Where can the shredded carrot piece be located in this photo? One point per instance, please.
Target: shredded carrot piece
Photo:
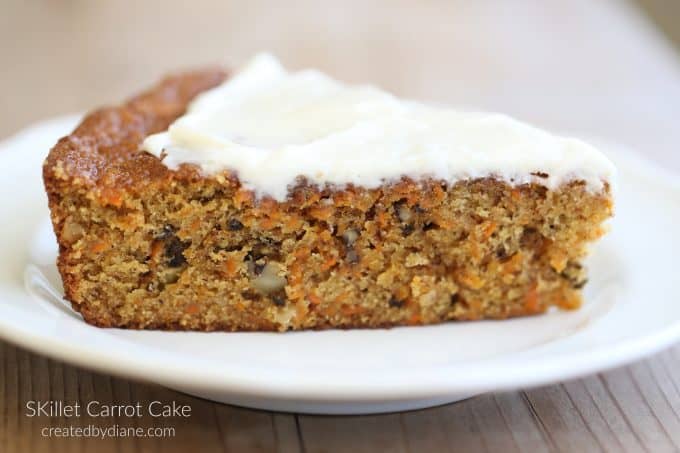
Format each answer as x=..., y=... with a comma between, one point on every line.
x=513, y=264
x=242, y=197
x=112, y=197
x=330, y=262
x=531, y=302
x=156, y=249
x=267, y=205
x=558, y=260
x=267, y=223
x=301, y=252
x=474, y=248
x=471, y=280
x=314, y=299
x=351, y=309
x=301, y=310
x=402, y=292
x=341, y=298
x=382, y=218
x=195, y=225
x=571, y=302
x=293, y=223
x=345, y=198
x=192, y=309
x=99, y=246
x=488, y=229
x=230, y=267
x=415, y=319
x=295, y=274
x=321, y=212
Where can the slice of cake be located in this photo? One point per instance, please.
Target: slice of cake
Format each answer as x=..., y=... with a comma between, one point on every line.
x=279, y=201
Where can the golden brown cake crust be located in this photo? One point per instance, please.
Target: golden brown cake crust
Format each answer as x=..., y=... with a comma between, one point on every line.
x=103, y=150
x=142, y=246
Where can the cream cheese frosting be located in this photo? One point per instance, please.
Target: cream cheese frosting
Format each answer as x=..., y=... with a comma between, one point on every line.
x=270, y=126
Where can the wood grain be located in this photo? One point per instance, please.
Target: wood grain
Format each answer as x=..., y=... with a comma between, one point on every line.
x=630, y=409
x=595, y=67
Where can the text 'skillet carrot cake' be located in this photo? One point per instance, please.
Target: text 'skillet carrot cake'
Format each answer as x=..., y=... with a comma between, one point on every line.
x=273, y=200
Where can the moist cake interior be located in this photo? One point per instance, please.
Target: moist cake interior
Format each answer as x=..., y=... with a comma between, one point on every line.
x=148, y=247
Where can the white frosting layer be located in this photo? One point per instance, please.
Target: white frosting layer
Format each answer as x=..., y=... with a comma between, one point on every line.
x=270, y=126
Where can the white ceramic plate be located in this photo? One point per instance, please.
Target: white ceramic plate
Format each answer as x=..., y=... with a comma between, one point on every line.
x=632, y=309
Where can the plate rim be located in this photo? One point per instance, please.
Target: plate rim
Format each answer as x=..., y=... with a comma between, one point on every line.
x=243, y=381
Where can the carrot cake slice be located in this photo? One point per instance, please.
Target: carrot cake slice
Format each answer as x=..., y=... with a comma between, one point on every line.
x=276, y=200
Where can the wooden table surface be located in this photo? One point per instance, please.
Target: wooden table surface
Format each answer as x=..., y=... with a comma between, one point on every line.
x=595, y=67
